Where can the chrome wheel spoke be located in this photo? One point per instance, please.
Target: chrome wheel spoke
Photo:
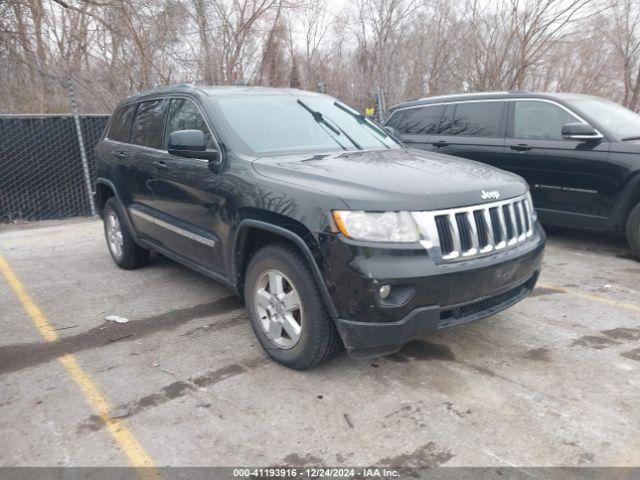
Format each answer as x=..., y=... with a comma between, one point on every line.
x=276, y=283
x=291, y=301
x=263, y=298
x=291, y=327
x=275, y=329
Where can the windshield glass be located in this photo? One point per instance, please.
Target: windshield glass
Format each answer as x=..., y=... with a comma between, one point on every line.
x=620, y=121
x=279, y=124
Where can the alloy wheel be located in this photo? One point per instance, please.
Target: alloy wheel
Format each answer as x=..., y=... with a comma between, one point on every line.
x=114, y=235
x=279, y=308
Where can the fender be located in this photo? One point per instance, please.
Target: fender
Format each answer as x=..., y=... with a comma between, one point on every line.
x=298, y=241
x=627, y=199
x=125, y=211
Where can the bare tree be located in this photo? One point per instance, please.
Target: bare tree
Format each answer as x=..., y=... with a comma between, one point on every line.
x=409, y=48
x=624, y=34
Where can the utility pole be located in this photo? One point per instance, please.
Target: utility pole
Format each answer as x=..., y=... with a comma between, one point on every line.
x=380, y=106
x=83, y=152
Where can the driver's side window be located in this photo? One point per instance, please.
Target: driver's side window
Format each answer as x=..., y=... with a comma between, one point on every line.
x=184, y=115
x=539, y=120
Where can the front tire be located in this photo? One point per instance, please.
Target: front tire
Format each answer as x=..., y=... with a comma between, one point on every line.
x=286, y=309
x=123, y=249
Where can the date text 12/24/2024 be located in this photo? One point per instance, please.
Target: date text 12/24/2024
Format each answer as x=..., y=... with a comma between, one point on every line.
x=313, y=472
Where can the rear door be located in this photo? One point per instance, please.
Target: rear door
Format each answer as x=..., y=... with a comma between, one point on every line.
x=473, y=130
x=416, y=124
x=565, y=176
x=146, y=142
x=185, y=193
x=118, y=152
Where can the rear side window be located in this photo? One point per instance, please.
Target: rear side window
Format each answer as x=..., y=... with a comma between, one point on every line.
x=541, y=120
x=447, y=120
x=148, y=124
x=421, y=120
x=480, y=119
x=184, y=115
x=121, y=124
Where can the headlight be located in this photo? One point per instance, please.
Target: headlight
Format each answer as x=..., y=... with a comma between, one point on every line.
x=377, y=227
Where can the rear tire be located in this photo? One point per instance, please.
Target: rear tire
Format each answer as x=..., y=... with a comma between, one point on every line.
x=633, y=230
x=286, y=309
x=123, y=249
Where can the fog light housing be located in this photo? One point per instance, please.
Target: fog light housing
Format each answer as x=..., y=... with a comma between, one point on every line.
x=384, y=291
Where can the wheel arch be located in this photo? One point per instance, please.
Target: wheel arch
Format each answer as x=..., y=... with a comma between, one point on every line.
x=627, y=200
x=104, y=190
x=251, y=234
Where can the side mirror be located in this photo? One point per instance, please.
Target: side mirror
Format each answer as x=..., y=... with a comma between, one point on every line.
x=394, y=134
x=391, y=131
x=182, y=141
x=580, y=131
x=193, y=144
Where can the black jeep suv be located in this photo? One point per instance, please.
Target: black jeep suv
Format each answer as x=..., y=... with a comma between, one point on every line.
x=580, y=154
x=333, y=232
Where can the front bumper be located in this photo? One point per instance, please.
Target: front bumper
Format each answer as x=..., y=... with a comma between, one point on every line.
x=433, y=296
x=367, y=340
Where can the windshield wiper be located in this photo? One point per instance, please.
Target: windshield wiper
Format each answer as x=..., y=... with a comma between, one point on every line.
x=319, y=117
x=635, y=137
x=362, y=120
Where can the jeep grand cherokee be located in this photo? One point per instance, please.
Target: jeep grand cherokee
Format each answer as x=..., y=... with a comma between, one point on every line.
x=335, y=234
x=580, y=154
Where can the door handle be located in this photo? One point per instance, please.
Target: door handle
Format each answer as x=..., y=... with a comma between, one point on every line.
x=440, y=143
x=160, y=165
x=521, y=147
x=121, y=155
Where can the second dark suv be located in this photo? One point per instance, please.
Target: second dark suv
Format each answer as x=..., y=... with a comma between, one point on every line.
x=580, y=154
x=333, y=232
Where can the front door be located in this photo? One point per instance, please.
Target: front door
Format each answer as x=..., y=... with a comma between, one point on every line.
x=185, y=201
x=568, y=178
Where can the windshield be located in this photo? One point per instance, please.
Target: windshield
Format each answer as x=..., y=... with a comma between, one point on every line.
x=278, y=124
x=618, y=120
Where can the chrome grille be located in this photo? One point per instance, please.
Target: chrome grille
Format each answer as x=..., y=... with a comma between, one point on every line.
x=460, y=233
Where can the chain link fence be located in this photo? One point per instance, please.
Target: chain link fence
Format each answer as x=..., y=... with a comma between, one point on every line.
x=42, y=175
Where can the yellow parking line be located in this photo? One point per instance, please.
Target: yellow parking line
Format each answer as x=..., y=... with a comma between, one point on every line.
x=595, y=298
x=137, y=456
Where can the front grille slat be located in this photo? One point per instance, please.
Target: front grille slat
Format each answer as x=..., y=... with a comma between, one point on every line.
x=444, y=233
x=455, y=235
x=523, y=221
x=463, y=228
x=528, y=216
x=473, y=233
x=513, y=236
x=503, y=227
x=461, y=233
x=483, y=228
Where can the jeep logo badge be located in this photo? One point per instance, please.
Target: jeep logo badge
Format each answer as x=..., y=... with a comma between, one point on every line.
x=493, y=194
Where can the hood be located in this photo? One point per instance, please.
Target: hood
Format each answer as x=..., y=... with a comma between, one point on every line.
x=394, y=179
